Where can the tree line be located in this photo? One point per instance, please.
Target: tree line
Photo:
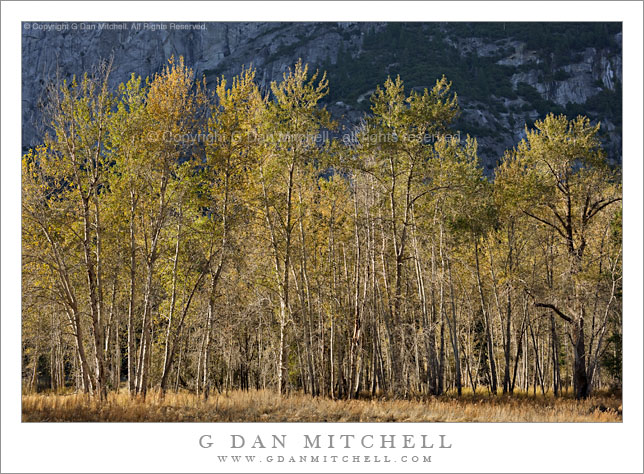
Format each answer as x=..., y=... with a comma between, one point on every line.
x=177, y=236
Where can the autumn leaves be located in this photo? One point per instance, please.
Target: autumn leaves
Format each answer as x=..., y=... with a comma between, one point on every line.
x=170, y=245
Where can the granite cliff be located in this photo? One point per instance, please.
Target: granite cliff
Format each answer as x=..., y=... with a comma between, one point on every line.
x=506, y=75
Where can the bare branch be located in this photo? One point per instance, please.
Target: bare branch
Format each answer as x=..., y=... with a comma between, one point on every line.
x=555, y=309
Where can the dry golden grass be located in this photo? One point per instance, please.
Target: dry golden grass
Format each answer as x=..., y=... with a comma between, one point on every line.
x=258, y=406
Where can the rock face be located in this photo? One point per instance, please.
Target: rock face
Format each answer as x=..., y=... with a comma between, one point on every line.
x=596, y=70
x=210, y=49
x=52, y=50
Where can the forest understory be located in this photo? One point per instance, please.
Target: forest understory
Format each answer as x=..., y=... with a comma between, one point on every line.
x=266, y=405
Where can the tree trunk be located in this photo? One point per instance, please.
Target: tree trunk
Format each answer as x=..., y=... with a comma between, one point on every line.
x=580, y=377
x=488, y=329
x=90, y=268
x=131, y=350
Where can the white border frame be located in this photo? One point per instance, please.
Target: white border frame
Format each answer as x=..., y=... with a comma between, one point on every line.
x=477, y=447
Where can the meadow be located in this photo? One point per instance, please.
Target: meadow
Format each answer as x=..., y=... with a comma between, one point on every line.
x=268, y=406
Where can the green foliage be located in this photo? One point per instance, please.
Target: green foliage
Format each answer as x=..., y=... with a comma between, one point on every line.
x=419, y=53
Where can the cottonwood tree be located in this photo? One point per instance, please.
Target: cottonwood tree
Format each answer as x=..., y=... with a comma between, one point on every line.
x=394, y=149
x=127, y=146
x=74, y=156
x=232, y=131
x=51, y=253
x=174, y=104
x=293, y=123
x=558, y=176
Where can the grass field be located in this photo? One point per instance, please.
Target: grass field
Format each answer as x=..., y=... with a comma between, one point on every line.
x=258, y=406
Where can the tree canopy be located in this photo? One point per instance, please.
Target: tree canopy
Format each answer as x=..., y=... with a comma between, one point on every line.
x=181, y=236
